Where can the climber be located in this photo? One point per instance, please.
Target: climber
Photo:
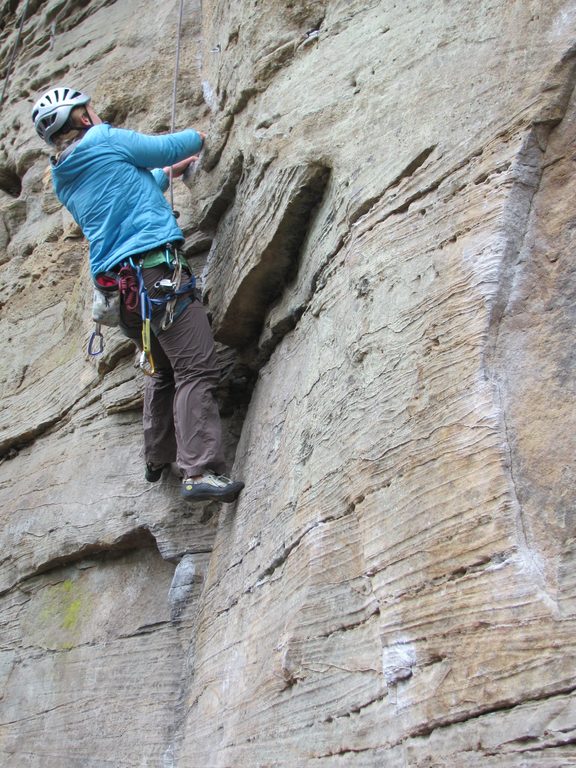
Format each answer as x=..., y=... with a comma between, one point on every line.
x=102, y=175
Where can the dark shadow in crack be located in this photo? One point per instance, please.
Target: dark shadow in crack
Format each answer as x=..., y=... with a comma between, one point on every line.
x=278, y=264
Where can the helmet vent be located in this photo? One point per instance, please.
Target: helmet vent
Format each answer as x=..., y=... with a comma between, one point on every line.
x=52, y=110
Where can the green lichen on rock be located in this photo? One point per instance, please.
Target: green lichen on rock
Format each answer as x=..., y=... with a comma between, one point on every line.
x=65, y=606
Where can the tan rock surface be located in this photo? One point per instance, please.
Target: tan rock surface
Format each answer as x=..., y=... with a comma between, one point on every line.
x=386, y=195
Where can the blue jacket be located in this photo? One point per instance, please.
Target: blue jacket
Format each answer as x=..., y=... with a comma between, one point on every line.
x=108, y=187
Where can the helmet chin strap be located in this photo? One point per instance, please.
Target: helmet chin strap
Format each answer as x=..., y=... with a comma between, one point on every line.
x=83, y=128
x=87, y=114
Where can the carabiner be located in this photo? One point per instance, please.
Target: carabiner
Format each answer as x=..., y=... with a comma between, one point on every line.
x=146, y=359
x=96, y=334
x=147, y=363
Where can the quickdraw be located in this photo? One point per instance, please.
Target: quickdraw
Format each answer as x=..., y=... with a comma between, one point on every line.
x=146, y=359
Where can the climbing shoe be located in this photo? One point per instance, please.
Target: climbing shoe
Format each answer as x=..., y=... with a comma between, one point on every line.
x=153, y=474
x=210, y=487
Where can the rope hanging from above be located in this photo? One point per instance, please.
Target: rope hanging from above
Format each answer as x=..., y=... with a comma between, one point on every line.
x=175, y=91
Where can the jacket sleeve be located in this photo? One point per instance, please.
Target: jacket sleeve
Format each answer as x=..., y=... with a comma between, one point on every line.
x=155, y=151
x=161, y=178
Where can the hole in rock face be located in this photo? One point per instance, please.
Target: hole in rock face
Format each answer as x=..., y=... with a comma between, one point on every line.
x=10, y=182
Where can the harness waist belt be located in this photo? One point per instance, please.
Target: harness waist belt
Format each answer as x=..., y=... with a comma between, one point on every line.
x=160, y=256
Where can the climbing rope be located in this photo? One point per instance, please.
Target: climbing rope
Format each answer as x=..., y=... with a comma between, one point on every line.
x=175, y=91
x=14, y=52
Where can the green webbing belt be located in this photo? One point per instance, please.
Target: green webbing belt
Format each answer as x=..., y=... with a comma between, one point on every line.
x=158, y=256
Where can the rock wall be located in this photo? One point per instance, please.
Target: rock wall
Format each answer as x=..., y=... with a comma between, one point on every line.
x=383, y=221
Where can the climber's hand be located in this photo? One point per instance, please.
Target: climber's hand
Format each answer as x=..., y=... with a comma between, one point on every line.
x=179, y=168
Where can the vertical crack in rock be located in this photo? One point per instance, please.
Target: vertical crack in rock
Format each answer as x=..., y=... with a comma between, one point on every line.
x=529, y=166
x=269, y=255
x=218, y=140
x=183, y=582
x=222, y=198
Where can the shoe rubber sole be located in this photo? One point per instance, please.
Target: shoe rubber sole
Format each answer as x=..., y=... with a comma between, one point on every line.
x=153, y=475
x=227, y=495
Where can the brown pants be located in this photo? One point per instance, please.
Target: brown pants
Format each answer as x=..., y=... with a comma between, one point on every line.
x=181, y=418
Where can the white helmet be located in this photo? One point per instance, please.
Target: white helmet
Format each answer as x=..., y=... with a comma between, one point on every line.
x=53, y=109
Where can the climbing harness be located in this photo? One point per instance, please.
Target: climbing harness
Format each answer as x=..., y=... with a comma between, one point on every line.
x=129, y=284
x=14, y=52
x=171, y=289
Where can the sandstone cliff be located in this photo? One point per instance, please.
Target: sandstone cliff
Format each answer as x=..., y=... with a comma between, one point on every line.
x=383, y=220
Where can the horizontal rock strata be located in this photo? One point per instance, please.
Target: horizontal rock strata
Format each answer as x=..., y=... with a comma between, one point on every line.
x=382, y=226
